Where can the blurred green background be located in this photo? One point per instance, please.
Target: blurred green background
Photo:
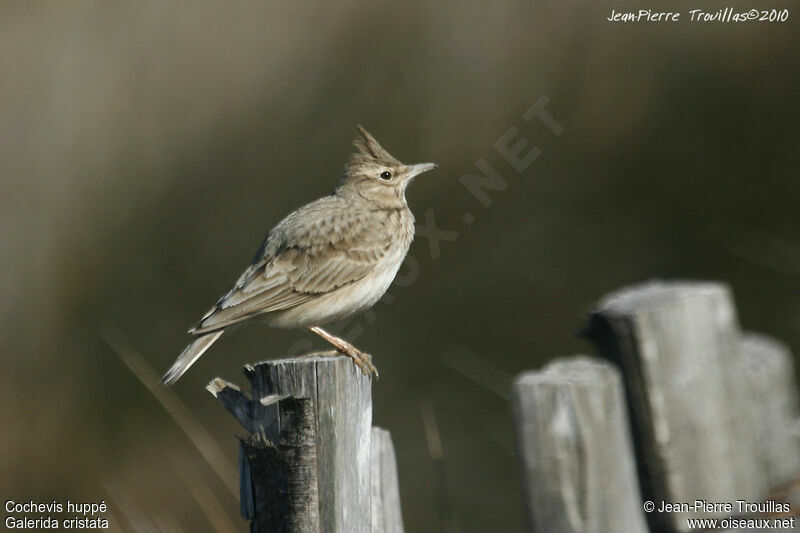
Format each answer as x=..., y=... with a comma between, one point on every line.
x=147, y=148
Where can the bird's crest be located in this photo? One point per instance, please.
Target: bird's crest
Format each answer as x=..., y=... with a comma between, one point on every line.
x=370, y=151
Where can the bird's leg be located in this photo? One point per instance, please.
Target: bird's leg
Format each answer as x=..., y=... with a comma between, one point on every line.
x=362, y=359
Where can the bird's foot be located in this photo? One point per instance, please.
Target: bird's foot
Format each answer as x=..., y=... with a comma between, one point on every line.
x=362, y=360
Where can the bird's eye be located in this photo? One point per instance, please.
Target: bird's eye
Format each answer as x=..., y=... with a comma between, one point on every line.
x=386, y=175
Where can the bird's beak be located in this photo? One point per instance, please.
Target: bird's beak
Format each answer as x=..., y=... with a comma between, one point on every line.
x=419, y=168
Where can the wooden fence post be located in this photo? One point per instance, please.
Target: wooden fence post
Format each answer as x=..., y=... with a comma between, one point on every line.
x=305, y=464
x=677, y=345
x=386, y=513
x=574, y=445
x=769, y=369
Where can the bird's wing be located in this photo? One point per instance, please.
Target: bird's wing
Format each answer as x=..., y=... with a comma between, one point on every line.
x=302, y=266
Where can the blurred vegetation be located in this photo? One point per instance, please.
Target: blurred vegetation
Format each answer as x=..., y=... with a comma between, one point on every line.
x=147, y=148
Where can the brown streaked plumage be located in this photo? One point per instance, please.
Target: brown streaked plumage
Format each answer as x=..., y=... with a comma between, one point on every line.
x=325, y=261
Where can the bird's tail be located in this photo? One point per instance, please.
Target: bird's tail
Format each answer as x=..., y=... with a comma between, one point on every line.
x=189, y=355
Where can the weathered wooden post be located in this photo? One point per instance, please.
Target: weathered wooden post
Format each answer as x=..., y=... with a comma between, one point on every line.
x=769, y=369
x=678, y=346
x=306, y=462
x=386, y=513
x=574, y=445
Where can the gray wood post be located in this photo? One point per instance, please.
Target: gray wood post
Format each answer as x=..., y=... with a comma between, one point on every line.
x=574, y=445
x=678, y=347
x=386, y=514
x=769, y=369
x=305, y=463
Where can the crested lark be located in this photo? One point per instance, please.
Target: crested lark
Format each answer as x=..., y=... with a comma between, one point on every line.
x=324, y=262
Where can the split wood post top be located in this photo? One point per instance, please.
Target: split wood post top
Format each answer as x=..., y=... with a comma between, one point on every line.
x=309, y=424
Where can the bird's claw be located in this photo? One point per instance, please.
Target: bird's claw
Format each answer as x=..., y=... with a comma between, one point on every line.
x=363, y=360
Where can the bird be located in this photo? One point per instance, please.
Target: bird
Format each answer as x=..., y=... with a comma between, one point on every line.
x=324, y=262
